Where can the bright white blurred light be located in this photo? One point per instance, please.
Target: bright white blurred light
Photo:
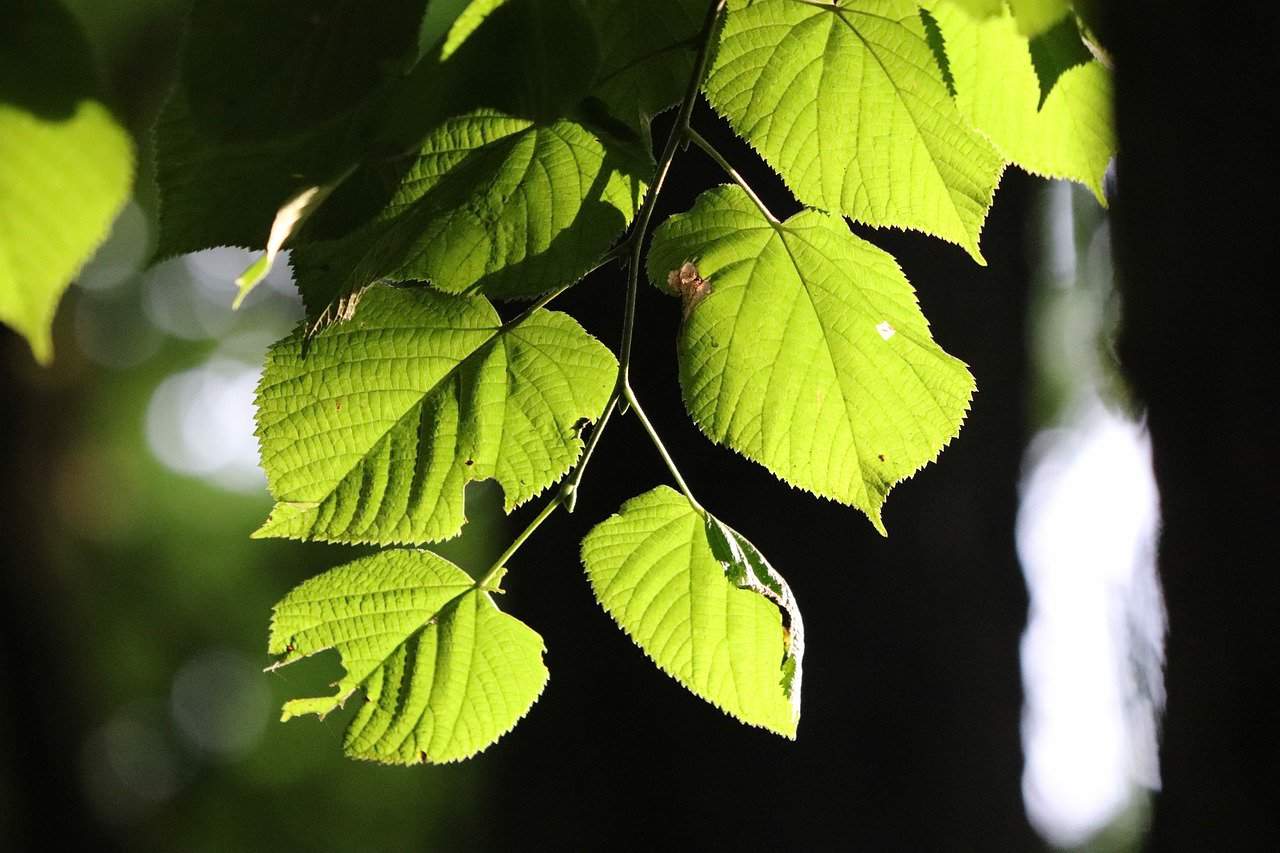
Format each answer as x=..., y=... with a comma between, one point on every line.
x=200, y=423
x=1093, y=649
x=190, y=297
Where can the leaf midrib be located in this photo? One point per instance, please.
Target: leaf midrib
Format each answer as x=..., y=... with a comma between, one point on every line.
x=839, y=12
x=446, y=377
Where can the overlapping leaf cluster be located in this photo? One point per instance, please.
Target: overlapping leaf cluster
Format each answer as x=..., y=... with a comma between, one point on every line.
x=419, y=167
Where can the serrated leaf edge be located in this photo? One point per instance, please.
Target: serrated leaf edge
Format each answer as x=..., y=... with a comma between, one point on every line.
x=595, y=592
x=340, y=700
x=508, y=505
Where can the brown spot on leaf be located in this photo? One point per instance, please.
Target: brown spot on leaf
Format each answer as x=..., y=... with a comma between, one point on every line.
x=691, y=287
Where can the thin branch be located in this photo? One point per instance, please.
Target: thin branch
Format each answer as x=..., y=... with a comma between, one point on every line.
x=499, y=564
x=662, y=450
x=679, y=132
x=733, y=173
x=633, y=244
x=570, y=490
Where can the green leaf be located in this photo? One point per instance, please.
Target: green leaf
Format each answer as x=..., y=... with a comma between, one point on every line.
x=271, y=99
x=810, y=354
x=818, y=89
x=1070, y=137
x=289, y=218
x=1056, y=51
x=520, y=180
x=467, y=22
x=981, y=8
x=371, y=430
x=66, y=165
x=696, y=607
x=647, y=49
x=495, y=204
x=937, y=44
x=444, y=671
x=747, y=568
x=1038, y=16
x=440, y=20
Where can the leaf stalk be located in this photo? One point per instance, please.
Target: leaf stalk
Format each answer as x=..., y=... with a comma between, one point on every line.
x=662, y=450
x=679, y=133
x=711, y=152
x=633, y=245
x=499, y=564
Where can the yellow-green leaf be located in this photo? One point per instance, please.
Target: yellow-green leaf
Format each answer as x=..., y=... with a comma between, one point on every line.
x=846, y=102
x=66, y=165
x=699, y=607
x=809, y=353
x=445, y=673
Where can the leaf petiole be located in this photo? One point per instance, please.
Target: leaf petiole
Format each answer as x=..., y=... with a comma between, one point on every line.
x=711, y=152
x=570, y=490
x=679, y=132
x=499, y=565
x=662, y=450
x=634, y=245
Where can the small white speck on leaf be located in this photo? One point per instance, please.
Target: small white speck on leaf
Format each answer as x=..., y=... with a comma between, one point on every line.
x=886, y=331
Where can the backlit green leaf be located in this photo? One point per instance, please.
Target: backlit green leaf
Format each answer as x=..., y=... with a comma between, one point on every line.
x=1038, y=16
x=848, y=104
x=495, y=204
x=519, y=181
x=66, y=165
x=370, y=430
x=697, y=608
x=1056, y=51
x=444, y=672
x=981, y=8
x=810, y=354
x=1070, y=137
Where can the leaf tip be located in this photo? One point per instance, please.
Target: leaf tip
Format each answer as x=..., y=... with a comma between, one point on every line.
x=250, y=278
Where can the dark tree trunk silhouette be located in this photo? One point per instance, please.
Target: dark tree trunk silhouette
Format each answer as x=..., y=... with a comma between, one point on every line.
x=1196, y=237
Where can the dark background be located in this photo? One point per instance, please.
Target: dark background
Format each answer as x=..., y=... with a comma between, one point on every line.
x=910, y=734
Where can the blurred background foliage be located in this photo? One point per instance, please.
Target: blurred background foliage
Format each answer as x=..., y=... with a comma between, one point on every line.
x=146, y=600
